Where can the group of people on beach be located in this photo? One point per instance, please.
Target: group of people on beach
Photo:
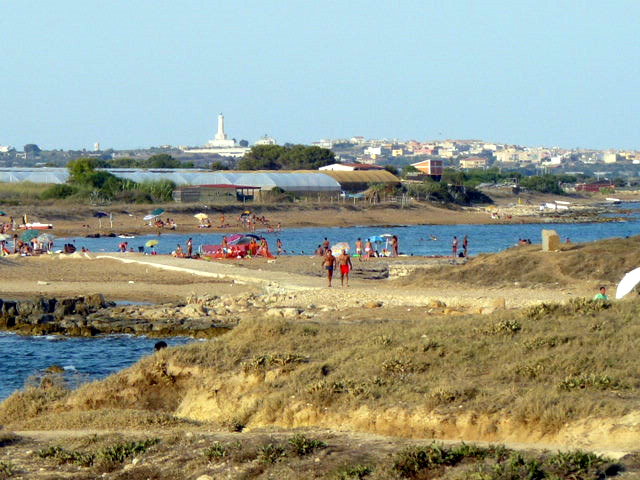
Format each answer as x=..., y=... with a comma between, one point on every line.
x=35, y=246
x=465, y=247
x=365, y=250
x=343, y=262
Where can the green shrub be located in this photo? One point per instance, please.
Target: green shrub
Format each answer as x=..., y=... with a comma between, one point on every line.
x=119, y=452
x=301, y=445
x=411, y=461
x=6, y=470
x=61, y=190
x=355, y=472
x=271, y=453
x=577, y=464
x=62, y=455
x=217, y=451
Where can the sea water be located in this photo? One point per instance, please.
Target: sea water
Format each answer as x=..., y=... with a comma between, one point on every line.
x=83, y=359
x=414, y=239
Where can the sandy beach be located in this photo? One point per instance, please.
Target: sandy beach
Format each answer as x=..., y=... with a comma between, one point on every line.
x=77, y=220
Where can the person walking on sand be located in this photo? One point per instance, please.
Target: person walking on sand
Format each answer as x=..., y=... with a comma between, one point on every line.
x=454, y=247
x=189, y=247
x=395, y=247
x=329, y=263
x=465, y=246
x=344, y=260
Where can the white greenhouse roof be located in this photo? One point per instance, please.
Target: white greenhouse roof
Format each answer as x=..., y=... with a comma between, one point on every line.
x=266, y=180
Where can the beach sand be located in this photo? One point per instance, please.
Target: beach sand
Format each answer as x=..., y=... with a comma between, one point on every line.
x=70, y=219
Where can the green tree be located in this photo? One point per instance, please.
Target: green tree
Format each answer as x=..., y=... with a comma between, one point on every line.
x=391, y=169
x=543, y=183
x=31, y=149
x=218, y=165
x=81, y=170
x=163, y=160
x=262, y=157
x=289, y=157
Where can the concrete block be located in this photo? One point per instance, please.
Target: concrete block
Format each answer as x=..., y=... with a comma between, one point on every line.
x=550, y=241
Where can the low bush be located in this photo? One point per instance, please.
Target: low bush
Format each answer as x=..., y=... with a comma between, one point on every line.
x=7, y=470
x=271, y=453
x=301, y=445
x=353, y=472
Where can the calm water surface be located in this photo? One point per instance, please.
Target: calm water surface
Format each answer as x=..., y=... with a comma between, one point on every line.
x=87, y=358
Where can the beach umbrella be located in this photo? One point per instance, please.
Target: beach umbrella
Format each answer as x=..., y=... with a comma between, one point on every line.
x=100, y=216
x=232, y=239
x=149, y=217
x=151, y=243
x=45, y=238
x=628, y=283
x=339, y=247
x=157, y=212
x=201, y=216
x=2, y=214
x=29, y=235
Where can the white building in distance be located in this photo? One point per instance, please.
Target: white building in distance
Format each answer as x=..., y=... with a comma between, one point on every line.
x=266, y=140
x=221, y=144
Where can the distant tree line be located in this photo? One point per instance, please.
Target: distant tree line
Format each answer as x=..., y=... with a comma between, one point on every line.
x=161, y=160
x=286, y=157
x=86, y=182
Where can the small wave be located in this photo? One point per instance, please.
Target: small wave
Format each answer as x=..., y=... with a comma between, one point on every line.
x=70, y=368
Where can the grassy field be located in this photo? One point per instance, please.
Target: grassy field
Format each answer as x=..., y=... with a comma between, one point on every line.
x=534, y=371
x=288, y=456
x=605, y=261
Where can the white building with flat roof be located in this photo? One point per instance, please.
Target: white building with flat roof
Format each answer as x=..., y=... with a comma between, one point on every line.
x=221, y=144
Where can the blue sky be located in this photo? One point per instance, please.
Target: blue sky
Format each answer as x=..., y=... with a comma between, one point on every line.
x=143, y=73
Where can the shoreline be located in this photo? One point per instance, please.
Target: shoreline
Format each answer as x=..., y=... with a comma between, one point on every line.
x=71, y=220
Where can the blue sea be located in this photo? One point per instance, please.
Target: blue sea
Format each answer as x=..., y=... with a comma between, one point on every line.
x=91, y=358
x=414, y=239
x=83, y=359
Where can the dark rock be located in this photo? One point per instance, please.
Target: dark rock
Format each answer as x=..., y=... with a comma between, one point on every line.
x=65, y=307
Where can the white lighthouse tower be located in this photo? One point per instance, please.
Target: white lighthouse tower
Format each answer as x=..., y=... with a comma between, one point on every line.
x=221, y=140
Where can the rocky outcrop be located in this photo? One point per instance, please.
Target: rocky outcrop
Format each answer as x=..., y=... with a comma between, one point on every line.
x=91, y=315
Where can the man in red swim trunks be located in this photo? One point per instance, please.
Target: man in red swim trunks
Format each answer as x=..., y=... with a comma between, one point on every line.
x=344, y=260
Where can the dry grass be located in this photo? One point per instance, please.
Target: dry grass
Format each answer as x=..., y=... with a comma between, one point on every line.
x=179, y=455
x=605, y=261
x=20, y=193
x=538, y=368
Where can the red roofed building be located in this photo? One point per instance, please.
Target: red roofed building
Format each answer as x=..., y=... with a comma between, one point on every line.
x=351, y=167
x=434, y=167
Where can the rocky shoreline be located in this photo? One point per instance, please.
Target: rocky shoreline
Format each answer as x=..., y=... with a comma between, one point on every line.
x=91, y=315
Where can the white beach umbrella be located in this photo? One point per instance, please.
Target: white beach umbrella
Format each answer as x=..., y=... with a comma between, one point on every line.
x=628, y=283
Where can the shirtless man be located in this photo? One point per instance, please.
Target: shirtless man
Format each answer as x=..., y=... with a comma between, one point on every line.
x=359, y=248
x=344, y=260
x=329, y=263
